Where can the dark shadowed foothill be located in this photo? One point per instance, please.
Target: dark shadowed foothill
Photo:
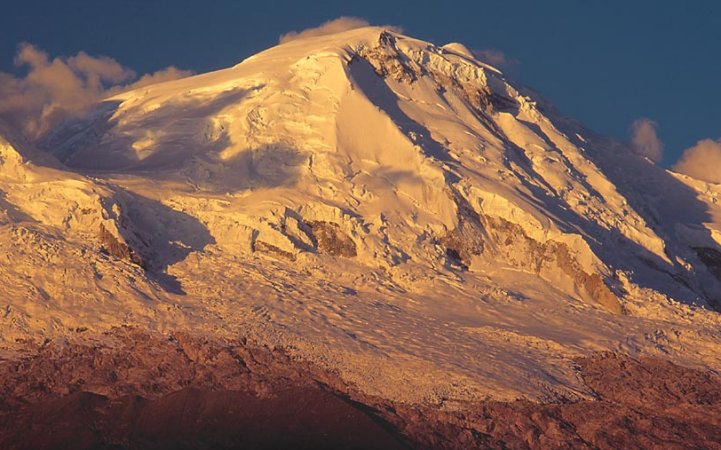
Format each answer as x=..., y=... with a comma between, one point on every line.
x=153, y=392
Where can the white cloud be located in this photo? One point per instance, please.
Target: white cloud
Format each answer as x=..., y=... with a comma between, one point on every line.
x=332, y=26
x=495, y=58
x=645, y=141
x=702, y=161
x=56, y=89
x=167, y=74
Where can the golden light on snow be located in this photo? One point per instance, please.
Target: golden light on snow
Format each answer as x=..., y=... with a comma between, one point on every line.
x=358, y=197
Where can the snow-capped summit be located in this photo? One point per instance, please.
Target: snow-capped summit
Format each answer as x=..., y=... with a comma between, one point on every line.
x=366, y=195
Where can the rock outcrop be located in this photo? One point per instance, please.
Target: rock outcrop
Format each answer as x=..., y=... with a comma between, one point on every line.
x=113, y=246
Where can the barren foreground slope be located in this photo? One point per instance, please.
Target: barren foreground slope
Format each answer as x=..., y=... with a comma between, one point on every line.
x=151, y=392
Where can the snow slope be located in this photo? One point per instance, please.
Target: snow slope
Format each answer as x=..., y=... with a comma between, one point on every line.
x=380, y=205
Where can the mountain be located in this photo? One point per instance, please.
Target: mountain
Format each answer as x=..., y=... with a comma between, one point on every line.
x=393, y=211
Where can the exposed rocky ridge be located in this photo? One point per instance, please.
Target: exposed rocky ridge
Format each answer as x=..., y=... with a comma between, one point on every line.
x=387, y=61
x=331, y=239
x=114, y=247
x=148, y=391
x=508, y=242
x=549, y=259
x=468, y=238
x=712, y=258
x=314, y=236
x=264, y=247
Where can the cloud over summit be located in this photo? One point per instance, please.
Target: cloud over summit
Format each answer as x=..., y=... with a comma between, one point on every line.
x=55, y=89
x=495, y=57
x=338, y=25
x=645, y=141
x=702, y=161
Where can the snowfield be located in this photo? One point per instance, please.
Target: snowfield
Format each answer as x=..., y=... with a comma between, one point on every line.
x=375, y=204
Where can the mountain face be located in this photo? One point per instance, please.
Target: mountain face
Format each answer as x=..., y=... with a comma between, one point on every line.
x=392, y=210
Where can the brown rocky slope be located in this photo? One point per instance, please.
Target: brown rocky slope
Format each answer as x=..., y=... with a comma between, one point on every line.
x=141, y=391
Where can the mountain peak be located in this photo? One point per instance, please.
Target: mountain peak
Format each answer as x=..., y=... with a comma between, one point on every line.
x=366, y=190
x=369, y=126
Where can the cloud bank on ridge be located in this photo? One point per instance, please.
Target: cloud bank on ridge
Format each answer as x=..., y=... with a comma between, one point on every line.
x=55, y=89
x=338, y=25
x=702, y=161
x=645, y=141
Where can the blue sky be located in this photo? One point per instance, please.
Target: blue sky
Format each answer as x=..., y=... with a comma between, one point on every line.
x=603, y=63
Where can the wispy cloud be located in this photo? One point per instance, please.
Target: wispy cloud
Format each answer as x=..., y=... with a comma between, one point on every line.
x=55, y=89
x=332, y=26
x=167, y=74
x=495, y=58
x=645, y=141
x=702, y=161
